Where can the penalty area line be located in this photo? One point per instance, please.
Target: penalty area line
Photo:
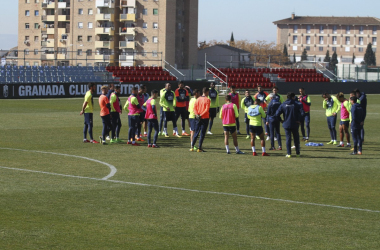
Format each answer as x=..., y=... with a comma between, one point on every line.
x=198, y=191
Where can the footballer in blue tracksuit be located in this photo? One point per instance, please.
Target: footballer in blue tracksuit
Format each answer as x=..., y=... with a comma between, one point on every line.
x=362, y=100
x=273, y=121
x=293, y=113
x=357, y=122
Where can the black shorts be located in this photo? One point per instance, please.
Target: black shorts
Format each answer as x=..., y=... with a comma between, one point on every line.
x=181, y=111
x=212, y=112
x=169, y=115
x=142, y=116
x=88, y=118
x=231, y=129
x=345, y=123
x=258, y=130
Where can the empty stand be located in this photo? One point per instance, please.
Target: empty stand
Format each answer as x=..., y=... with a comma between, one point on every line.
x=140, y=73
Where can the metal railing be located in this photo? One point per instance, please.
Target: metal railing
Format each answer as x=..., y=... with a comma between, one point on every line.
x=179, y=72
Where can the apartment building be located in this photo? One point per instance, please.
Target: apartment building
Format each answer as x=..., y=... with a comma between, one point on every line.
x=108, y=32
x=347, y=36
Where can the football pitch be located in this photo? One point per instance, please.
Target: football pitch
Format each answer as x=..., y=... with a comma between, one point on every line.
x=60, y=193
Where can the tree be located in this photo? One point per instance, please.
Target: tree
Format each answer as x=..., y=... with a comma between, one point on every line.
x=369, y=57
x=304, y=55
x=334, y=61
x=327, y=57
x=353, y=58
x=294, y=58
x=285, y=55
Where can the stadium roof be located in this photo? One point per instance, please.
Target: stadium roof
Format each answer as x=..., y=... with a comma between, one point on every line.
x=232, y=48
x=341, y=20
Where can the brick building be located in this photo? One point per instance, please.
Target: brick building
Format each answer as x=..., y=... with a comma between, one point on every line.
x=348, y=36
x=108, y=32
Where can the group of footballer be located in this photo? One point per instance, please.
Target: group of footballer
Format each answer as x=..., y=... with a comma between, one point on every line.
x=200, y=108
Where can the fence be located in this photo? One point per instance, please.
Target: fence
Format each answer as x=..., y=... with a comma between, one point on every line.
x=352, y=72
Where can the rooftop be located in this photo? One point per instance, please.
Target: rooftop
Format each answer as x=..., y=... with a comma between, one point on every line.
x=339, y=20
x=230, y=48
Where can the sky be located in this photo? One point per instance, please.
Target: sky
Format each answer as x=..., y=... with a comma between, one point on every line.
x=247, y=19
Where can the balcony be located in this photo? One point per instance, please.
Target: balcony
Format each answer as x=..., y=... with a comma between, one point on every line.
x=105, y=3
x=47, y=57
x=127, y=45
x=104, y=58
x=48, y=18
x=127, y=17
x=127, y=31
x=62, y=56
x=50, y=31
x=50, y=43
x=104, y=44
x=126, y=58
x=62, y=5
x=50, y=5
x=109, y=30
x=108, y=17
x=128, y=3
x=63, y=18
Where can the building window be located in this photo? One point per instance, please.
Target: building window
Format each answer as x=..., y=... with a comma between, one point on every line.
x=374, y=40
x=36, y=13
x=361, y=30
x=145, y=25
x=155, y=39
x=333, y=49
x=320, y=48
x=36, y=1
x=27, y=13
x=321, y=28
x=80, y=25
x=145, y=12
x=80, y=38
x=89, y=25
x=335, y=29
x=321, y=40
x=334, y=41
x=179, y=26
x=36, y=38
x=295, y=48
x=308, y=28
x=27, y=1
x=27, y=38
x=295, y=39
x=307, y=48
x=27, y=52
x=89, y=38
x=36, y=26
x=347, y=49
x=36, y=51
x=348, y=29
x=89, y=52
x=347, y=40
x=295, y=29
x=27, y=26
x=143, y=53
x=361, y=49
x=64, y=36
x=361, y=41
x=144, y=39
x=79, y=52
x=154, y=53
x=374, y=30
x=374, y=50
x=90, y=12
x=80, y=11
x=155, y=25
x=155, y=11
x=307, y=39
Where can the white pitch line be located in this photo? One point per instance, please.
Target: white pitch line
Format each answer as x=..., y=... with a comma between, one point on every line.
x=325, y=111
x=199, y=191
x=112, y=168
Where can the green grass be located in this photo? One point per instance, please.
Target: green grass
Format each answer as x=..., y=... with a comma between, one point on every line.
x=42, y=211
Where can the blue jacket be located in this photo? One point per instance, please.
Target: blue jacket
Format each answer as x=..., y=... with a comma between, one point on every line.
x=293, y=113
x=273, y=106
x=363, y=101
x=357, y=116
